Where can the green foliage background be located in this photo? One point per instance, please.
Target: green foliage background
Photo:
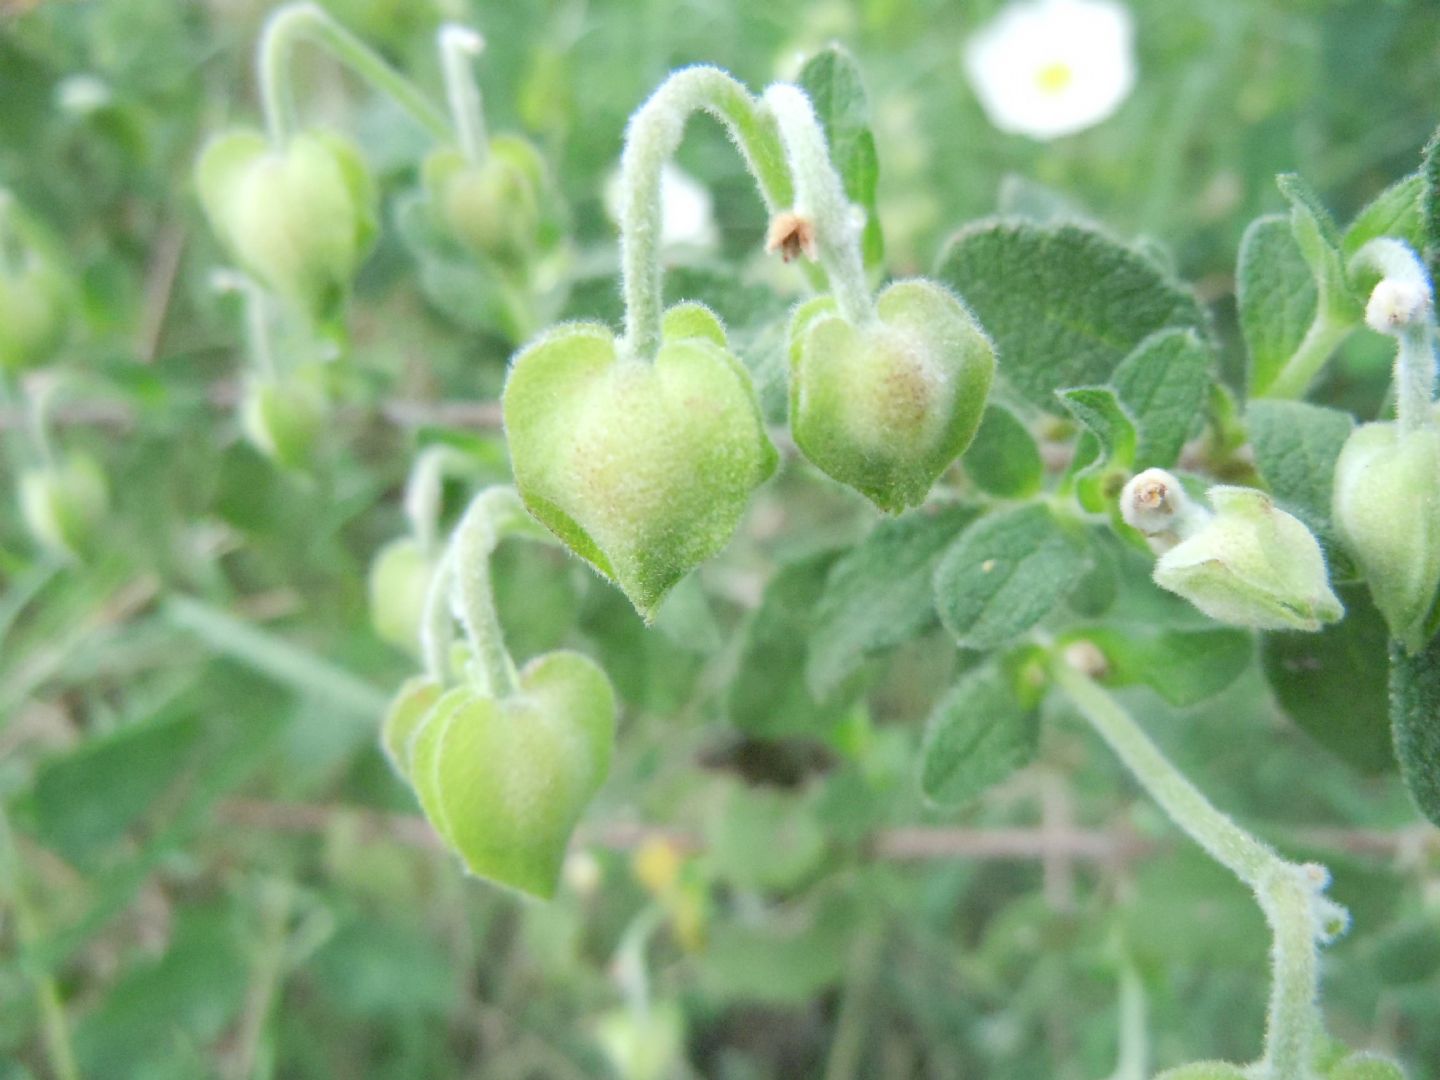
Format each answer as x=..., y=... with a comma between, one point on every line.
x=201, y=870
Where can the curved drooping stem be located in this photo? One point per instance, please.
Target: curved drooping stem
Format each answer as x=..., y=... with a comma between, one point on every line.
x=257, y=319
x=492, y=515
x=458, y=46
x=651, y=138
x=294, y=23
x=820, y=199
x=1402, y=306
x=1290, y=895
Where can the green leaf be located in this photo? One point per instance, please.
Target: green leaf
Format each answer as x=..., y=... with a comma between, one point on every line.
x=1319, y=243
x=1101, y=468
x=878, y=594
x=832, y=79
x=978, y=734
x=1185, y=667
x=786, y=959
x=1277, y=297
x=1332, y=684
x=1415, y=722
x=1430, y=204
x=1295, y=446
x=769, y=694
x=1065, y=304
x=1163, y=385
x=1396, y=212
x=1004, y=575
x=764, y=838
x=85, y=800
x=1003, y=458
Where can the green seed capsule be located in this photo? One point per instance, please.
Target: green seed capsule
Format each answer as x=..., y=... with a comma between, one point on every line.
x=64, y=504
x=887, y=407
x=299, y=219
x=495, y=208
x=1386, y=508
x=399, y=582
x=34, y=310
x=284, y=419
x=642, y=469
x=504, y=782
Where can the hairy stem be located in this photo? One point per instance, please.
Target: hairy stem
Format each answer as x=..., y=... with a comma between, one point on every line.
x=1415, y=377
x=425, y=491
x=306, y=21
x=1319, y=343
x=820, y=198
x=458, y=46
x=437, y=628
x=494, y=514
x=651, y=138
x=1289, y=894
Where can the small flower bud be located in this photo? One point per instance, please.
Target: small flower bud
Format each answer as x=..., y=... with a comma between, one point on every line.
x=642, y=469
x=1251, y=565
x=495, y=208
x=64, y=504
x=299, y=219
x=792, y=236
x=1397, y=303
x=1386, y=508
x=398, y=585
x=1156, y=504
x=886, y=407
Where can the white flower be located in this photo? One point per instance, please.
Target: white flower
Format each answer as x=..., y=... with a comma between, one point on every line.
x=1046, y=68
x=687, y=212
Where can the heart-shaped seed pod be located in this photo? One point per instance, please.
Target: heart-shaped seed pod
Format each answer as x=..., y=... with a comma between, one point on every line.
x=1252, y=565
x=1204, y=1070
x=35, y=304
x=1386, y=507
x=500, y=208
x=399, y=582
x=504, y=781
x=1365, y=1066
x=63, y=504
x=886, y=407
x=283, y=419
x=408, y=710
x=299, y=218
x=642, y=469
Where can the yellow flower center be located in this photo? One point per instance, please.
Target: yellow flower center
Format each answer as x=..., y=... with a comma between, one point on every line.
x=1054, y=77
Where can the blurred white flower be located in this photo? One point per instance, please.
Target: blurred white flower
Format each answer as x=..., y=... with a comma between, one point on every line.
x=687, y=212
x=1046, y=68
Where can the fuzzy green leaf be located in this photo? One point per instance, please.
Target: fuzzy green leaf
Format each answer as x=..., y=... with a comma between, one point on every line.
x=1185, y=667
x=1003, y=458
x=1343, y=662
x=1296, y=445
x=1277, y=297
x=1065, y=304
x=1415, y=722
x=1430, y=204
x=1004, y=575
x=1106, y=457
x=1396, y=212
x=878, y=593
x=978, y=734
x=832, y=79
x=1319, y=242
x=1163, y=385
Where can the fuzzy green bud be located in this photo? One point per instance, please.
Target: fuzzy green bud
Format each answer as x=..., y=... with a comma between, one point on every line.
x=1386, y=507
x=283, y=419
x=299, y=219
x=495, y=208
x=63, y=504
x=504, y=781
x=642, y=469
x=399, y=582
x=886, y=407
x=35, y=306
x=1248, y=564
